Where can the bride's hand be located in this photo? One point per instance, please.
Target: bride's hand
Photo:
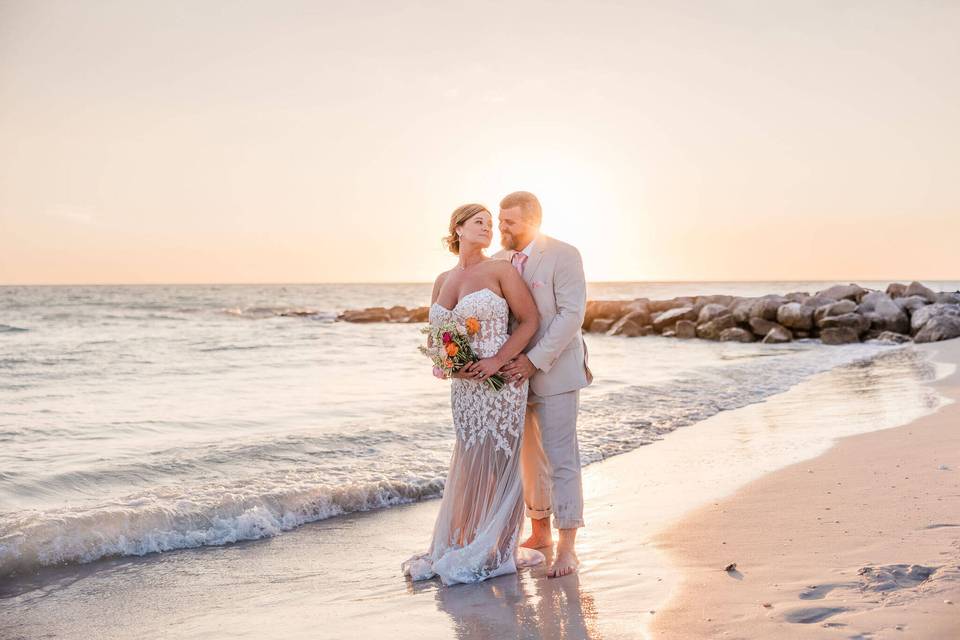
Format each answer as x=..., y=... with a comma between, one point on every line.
x=485, y=368
x=466, y=371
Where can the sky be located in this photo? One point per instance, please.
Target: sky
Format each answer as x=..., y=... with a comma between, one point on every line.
x=286, y=141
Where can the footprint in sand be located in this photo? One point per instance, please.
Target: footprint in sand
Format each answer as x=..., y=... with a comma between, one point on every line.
x=810, y=615
x=821, y=590
x=894, y=576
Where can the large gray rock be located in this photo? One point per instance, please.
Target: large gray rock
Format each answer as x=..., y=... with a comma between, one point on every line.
x=890, y=337
x=911, y=303
x=778, y=334
x=838, y=308
x=371, y=314
x=841, y=307
x=797, y=296
x=766, y=307
x=924, y=315
x=888, y=321
x=397, y=314
x=943, y=327
x=602, y=309
x=601, y=325
x=884, y=314
x=725, y=300
x=839, y=335
x=817, y=301
x=871, y=299
x=947, y=297
x=917, y=289
x=673, y=303
x=420, y=314
x=762, y=327
x=853, y=321
x=896, y=290
x=794, y=315
x=685, y=329
x=668, y=318
x=614, y=310
x=736, y=334
x=741, y=309
x=710, y=311
x=843, y=291
x=712, y=330
x=631, y=325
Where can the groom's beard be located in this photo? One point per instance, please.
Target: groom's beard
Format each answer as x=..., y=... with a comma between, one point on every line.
x=508, y=241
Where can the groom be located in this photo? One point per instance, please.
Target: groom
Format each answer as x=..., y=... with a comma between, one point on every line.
x=555, y=362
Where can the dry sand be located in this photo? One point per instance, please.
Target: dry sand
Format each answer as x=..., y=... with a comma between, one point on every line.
x=861, y=542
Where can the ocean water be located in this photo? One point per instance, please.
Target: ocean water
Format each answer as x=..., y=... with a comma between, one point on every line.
x=137, y=419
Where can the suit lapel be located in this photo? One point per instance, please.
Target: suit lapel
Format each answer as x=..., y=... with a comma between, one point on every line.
x=533, y=262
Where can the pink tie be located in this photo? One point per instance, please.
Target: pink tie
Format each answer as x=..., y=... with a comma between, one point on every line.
x=518, y=260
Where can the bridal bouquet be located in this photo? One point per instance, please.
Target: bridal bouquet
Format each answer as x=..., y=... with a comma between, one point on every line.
x=449, y=349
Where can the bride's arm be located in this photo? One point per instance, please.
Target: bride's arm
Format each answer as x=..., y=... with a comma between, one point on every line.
x=524, y=309
x=437, y=285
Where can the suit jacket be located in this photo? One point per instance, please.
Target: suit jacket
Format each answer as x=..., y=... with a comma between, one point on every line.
x=554, y=273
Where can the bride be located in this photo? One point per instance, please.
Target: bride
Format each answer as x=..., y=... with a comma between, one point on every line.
x=475, y=536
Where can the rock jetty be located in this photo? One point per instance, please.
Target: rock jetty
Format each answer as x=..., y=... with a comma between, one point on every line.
x=383, y=314
x=841, y=314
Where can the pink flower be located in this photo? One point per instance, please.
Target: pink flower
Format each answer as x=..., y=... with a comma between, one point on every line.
x=447, y=337
x=438, y=372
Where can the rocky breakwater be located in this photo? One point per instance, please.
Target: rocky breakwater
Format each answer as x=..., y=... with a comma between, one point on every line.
x=383, y=314
x=838, y=315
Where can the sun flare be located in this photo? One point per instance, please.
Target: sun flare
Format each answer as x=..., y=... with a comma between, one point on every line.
x=579, y=206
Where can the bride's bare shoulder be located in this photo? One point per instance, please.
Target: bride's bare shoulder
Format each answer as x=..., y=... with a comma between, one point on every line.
x=502, y=270
x=438, y=284
x=498, y=265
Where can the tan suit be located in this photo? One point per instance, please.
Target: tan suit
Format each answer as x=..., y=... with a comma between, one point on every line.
x=550, y=456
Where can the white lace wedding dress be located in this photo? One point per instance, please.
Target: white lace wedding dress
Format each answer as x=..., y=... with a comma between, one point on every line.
x=481, y=514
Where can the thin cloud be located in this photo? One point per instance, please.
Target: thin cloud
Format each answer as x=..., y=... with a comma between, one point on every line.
x=72, y=213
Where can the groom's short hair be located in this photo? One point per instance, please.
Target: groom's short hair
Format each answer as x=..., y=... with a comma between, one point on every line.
x=528, y=204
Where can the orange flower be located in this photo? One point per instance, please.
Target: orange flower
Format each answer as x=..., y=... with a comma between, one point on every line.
x=473, y=325
x=452, y=349
x=448, y=364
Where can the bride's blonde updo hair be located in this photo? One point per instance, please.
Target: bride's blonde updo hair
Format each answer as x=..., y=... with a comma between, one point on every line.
x=458, y=217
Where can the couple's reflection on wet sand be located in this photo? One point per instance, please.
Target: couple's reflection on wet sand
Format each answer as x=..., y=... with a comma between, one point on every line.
x=524, y=605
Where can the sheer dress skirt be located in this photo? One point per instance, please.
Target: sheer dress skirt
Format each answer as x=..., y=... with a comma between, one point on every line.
x=481, y=513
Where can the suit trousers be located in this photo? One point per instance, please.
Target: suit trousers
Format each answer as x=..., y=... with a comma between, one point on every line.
x=550, y=459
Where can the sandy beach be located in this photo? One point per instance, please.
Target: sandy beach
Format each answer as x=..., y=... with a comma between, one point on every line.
x=861, y=542
x=663, y=521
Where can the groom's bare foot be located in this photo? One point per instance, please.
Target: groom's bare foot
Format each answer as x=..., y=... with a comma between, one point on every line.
x=536, y=541
x=565, y=563
x=541, y=535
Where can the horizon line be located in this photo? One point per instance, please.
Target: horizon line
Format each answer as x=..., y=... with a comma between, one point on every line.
x=427, y=282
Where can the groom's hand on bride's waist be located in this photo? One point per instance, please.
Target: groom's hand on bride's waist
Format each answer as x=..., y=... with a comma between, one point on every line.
x=485, y=368
x=518, y=369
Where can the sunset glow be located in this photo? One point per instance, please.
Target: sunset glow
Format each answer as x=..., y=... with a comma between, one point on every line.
x=315, y=142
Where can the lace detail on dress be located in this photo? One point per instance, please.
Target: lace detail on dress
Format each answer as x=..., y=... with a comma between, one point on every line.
x=478, y=411
x=475, y=536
